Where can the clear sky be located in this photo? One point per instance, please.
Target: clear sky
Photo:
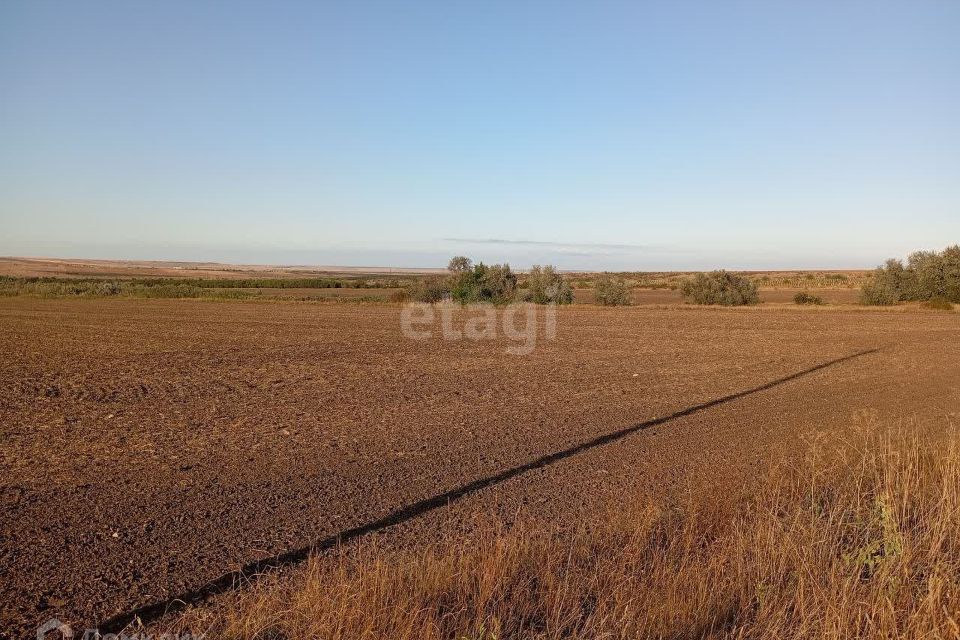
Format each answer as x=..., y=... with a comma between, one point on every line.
x=607, y=135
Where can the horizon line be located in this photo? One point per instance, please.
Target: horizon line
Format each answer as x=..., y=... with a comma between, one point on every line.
x=367, y=268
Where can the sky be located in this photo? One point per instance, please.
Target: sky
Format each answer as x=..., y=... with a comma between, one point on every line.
x=591, y=135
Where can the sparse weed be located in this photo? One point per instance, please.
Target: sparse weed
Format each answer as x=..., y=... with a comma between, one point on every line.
x=937, y=304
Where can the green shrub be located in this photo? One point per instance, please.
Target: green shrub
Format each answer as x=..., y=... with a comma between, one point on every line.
x=937, y=304
x=163, y=291
x=111, y=288
x=227, y=294
x=926, y=276
x=880, y=292
x=951, y=273
x=720, y=287
x=499, y=284
x=545, y=285
x=431, y=290
x=466, y=286
x=805, y=297
x=496, y=284
x=611, y=292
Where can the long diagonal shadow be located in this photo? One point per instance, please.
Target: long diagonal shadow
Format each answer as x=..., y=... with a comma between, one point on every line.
x=251, y=571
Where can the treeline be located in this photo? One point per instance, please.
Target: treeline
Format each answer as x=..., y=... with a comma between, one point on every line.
x=469, y=283
x=94, y=288
x=927, y=276
x=178, y=287
x=276, y=283
x=712, y=288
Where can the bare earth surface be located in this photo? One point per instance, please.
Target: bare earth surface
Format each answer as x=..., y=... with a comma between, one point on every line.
x=89, y=268
x=149, y=447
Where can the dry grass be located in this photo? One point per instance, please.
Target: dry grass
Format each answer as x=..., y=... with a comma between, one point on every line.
x=937, y=304
x=853, y=279
x=860, y=540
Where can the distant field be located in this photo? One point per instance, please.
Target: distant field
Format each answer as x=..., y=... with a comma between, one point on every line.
x=192, y=280
x=366, y=289
x=64, y=268
x=813, y=279
x=72, y=268
x=377, y=293
x=666, y=296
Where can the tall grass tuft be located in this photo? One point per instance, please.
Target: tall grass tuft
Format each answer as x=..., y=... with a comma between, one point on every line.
x=937, y=304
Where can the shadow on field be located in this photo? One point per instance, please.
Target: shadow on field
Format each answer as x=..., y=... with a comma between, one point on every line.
x=251, y=571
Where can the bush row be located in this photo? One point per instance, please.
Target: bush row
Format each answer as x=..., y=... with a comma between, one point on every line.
x=469, y=283
x=928, y=275
x=225, y=283
x=58, y=288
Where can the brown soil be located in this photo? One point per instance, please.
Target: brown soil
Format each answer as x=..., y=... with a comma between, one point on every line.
x=149, y=447
x=88, y=268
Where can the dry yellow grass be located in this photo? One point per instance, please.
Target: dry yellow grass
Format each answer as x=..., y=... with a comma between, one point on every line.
x=859, y=541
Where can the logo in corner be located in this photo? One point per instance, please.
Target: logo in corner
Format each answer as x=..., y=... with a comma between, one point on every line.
x=66, y=633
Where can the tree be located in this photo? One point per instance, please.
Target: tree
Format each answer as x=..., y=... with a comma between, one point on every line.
x=951, y=273
x=459, y=264
x=495, y=283
x=928, y=275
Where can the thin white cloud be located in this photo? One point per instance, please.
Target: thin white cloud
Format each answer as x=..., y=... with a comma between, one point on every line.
x=552, y=245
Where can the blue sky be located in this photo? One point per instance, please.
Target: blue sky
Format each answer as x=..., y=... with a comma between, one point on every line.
x=607, y=135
